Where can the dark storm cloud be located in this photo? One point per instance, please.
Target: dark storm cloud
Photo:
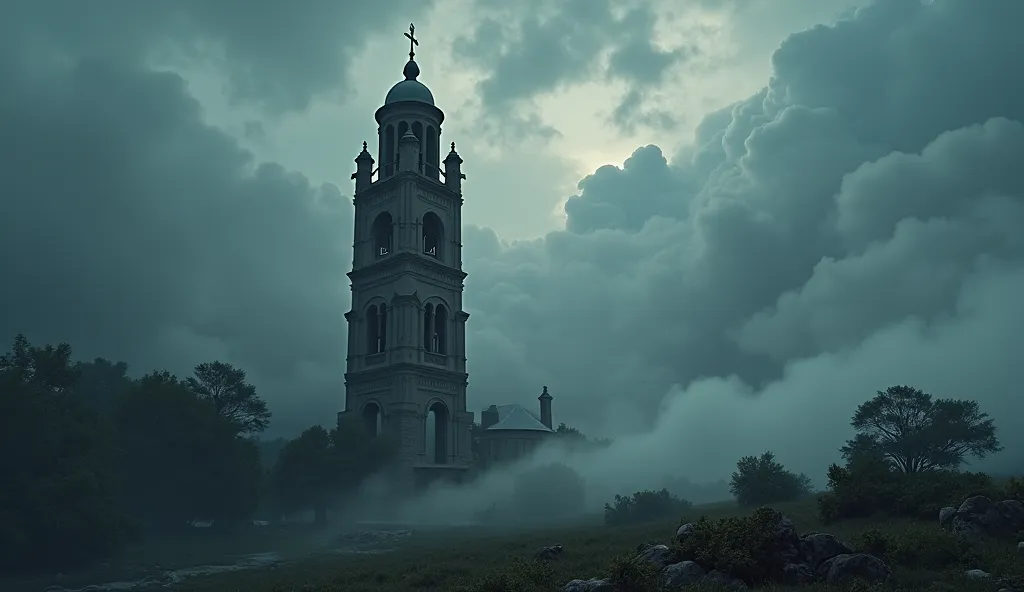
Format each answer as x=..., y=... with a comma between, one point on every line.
x=531, y=49
x=842, y=230
x=134, y=231
x=851, y=226
x=276, y=54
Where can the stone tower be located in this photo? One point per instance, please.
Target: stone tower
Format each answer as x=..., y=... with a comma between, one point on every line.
x=406, y=376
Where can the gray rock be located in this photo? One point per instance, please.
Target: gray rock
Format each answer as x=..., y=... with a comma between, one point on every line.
x=591, y=585
x=797, y=574
x=681, y=574
x=842, y=568
x=549, y=553
x=1020, y=546
x=723, y=580
x=977, y=574
x=685, y=531
x=817, y=548
x=946, y=516
x=1012, y=513
x=659, y=555
x=978, y=517
x=787, y=541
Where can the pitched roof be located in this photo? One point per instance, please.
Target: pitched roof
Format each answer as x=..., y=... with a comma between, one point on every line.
x=517, y=417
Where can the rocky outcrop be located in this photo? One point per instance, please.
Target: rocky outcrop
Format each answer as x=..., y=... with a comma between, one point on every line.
x=978, y=517
x=789, y=559
x=842, y=568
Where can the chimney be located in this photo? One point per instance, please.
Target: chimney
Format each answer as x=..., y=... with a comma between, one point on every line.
x=489, y=417
x=545, y=408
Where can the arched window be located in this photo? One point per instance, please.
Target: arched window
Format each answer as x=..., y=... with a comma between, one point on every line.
x=433, y=234
x=428, y=327
x=436, y=433
x=433, y=166
x=390, y=151
x=372, y=329
x=402, y=128
x=382, y=342
x=376, y=329
x=440, y=330
x=372, y=419
x=383, y=234
x=417, y=130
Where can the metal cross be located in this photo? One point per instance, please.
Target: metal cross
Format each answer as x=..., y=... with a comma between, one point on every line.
x=412, y=40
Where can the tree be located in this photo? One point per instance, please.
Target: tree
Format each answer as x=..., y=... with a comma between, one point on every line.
x=101, y=382
x=180, y=460
x=577, y=440
x=916, y=433
x=317, y=468
x=57, y=505
x=234, y=399
x=763, y=480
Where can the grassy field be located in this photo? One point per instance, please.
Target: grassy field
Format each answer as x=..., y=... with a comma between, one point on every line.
x=473, y=558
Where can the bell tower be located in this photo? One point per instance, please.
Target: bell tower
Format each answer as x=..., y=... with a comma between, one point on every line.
x=406, y=375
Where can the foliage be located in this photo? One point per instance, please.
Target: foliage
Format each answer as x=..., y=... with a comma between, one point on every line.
x=865, y=487
x=577, y=440
x=319, y=466
x=56, y=505
x=180, y=459
x=918, y=548
x=763, y=480
x=644, y=506
x=234, y=399
x=629, y=572
x=917, y=433
x=552, y=491
x=742, y=546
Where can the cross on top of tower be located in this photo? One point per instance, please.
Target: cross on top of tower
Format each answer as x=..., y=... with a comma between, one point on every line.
x=413, y=41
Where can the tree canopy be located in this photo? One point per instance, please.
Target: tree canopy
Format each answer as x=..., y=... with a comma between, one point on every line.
x=763, y=480
x=234, y=399
x=917, y=433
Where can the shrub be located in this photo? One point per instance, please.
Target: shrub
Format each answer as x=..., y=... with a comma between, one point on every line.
x=744, y=547
x=553, y=491
x=1014, y=489
x=864, y=489
x=636, y=575
x=918, y=548
x=644, y=506
x=763, y=480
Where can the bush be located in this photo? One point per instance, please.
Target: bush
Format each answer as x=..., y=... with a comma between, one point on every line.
x=918, y=548
x=763, y=480
x=520, y=575
x=1014, y=489
x=644, y=506
x=636, y=575
x=553, y=491
x=744, y=547
x=864, y=489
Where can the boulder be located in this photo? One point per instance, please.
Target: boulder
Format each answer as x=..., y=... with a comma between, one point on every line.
x=977, y=574
x=842, y=568
x=1012, y=513
x=978, y=517
x=681, y=574
x=818, y=547
x=549, y=553
x=786, y=541
x=721, y=579
x=659, y=555
x=591, y=585
x=797, y=574
x=685, y=531
x=946, y=516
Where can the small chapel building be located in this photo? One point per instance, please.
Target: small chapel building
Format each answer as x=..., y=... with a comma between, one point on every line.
x=512, y=432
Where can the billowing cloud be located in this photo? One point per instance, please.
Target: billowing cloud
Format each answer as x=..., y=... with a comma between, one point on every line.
x=850, y=226
x=273, y=54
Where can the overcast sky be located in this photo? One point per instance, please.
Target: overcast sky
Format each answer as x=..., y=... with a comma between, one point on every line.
x=718, y=224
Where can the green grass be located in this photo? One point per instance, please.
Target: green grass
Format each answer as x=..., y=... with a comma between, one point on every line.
x=478, y=558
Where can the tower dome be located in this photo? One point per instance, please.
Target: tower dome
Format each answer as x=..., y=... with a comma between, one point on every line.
x=410, y=89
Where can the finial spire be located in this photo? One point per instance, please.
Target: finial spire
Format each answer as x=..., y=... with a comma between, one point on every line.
x=453, y=146
x=413, y=42
x=364, y=146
